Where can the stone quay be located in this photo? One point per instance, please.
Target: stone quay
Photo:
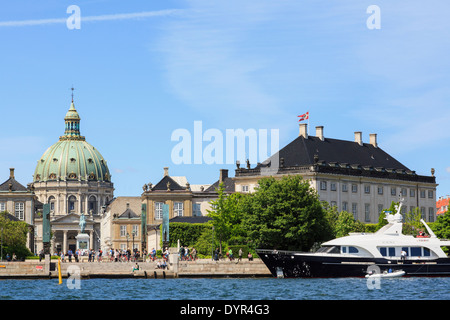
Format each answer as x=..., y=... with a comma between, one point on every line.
x=48, y=268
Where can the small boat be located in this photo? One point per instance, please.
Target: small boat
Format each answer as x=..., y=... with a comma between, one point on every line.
x=386, y=274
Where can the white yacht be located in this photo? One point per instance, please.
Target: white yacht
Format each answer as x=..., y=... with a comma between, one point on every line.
x=356, y=254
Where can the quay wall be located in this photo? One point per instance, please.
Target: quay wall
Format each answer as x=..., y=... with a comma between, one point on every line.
x=107, y=269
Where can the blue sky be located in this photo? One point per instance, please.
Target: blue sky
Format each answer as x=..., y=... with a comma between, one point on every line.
x=254, y=64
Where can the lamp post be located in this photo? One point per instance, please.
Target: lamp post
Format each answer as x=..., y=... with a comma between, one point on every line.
x=128, y=238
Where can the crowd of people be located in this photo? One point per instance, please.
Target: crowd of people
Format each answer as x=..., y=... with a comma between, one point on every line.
x=118, y=255
x=229, y=255
x=113, y=255
x=187, y=254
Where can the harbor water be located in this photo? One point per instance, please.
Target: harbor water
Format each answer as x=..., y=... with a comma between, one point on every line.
x=227, y=289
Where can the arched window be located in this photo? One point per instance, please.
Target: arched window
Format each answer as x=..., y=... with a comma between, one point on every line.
x=92, y=205
x=72, y=202
x=51, y=201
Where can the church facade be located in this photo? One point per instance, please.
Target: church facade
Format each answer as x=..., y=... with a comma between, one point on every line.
x=73, y=178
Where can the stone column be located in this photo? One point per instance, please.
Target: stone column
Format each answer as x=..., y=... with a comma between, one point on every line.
x=91, y=239
x=64, y=247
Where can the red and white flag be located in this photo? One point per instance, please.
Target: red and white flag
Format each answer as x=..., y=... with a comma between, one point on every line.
x=304, y=116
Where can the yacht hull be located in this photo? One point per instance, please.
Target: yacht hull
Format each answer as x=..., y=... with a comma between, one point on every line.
x=290, y=264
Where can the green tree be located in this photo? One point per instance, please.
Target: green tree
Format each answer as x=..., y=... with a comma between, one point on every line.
x=346, y=223
x=285, y=214
x=411, y=223
x=13, y=237
x=226, y=215
x=441, y=227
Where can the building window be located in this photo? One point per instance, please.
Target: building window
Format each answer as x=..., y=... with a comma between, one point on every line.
x=2, y=206
x=422, y=193
x=123, y=231
x=72, y=201
x=367, y=212
x=431, y=214
x=92, y=205
x=355, y=210
x=393, y=191
x=344, y=187
x=404, y=192
x=430, y=194
x=19, y=210
x=412, y=193
x=244, y=188
x=135, y=230
x=158, y=210
x=344, y=206
x=380, y=190
x=333, y=204
x=323, y=185
x=354, y=188
x=380, y=209
x=333, y=186
x=196, y=210
x=178, y=209
x=367, y=189
x=422, y=212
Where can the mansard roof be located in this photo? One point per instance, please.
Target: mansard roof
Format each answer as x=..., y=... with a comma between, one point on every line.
x=308, y=151
x=162, y=185
x=12, y=184
x=320, y=154
x=128, y=214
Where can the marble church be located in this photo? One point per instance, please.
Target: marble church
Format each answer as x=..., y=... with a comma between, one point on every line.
x=73, y=177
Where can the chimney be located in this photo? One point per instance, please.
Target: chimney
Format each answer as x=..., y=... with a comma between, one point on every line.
x=358, y=137
x=373, y=140
x=11, y=173
x=166, y=171
x=223, y=175
x=319, y=132
x=303, y=130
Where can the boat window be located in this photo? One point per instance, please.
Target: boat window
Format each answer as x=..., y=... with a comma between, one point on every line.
x=416, y=251
x=344, y=249
x=406, y=250
x=323, y=249
x=383, y=251
x=391, y=252
x=330, y=249
x=426, y=252
x=352, y=250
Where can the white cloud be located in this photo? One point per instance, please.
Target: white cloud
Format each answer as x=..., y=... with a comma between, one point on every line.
x=110, y=17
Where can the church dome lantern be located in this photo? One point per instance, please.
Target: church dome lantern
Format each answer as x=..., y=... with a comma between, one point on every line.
x=72, y=157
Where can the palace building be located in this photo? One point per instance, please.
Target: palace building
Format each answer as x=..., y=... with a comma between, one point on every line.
x=186, y=201
x=20, y=202
x=354, y=176
x=73, y=177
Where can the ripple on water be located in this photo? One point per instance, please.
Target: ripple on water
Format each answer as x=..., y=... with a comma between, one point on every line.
x=227, y=289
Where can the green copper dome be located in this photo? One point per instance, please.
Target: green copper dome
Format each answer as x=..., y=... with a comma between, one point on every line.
x=72, y=158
